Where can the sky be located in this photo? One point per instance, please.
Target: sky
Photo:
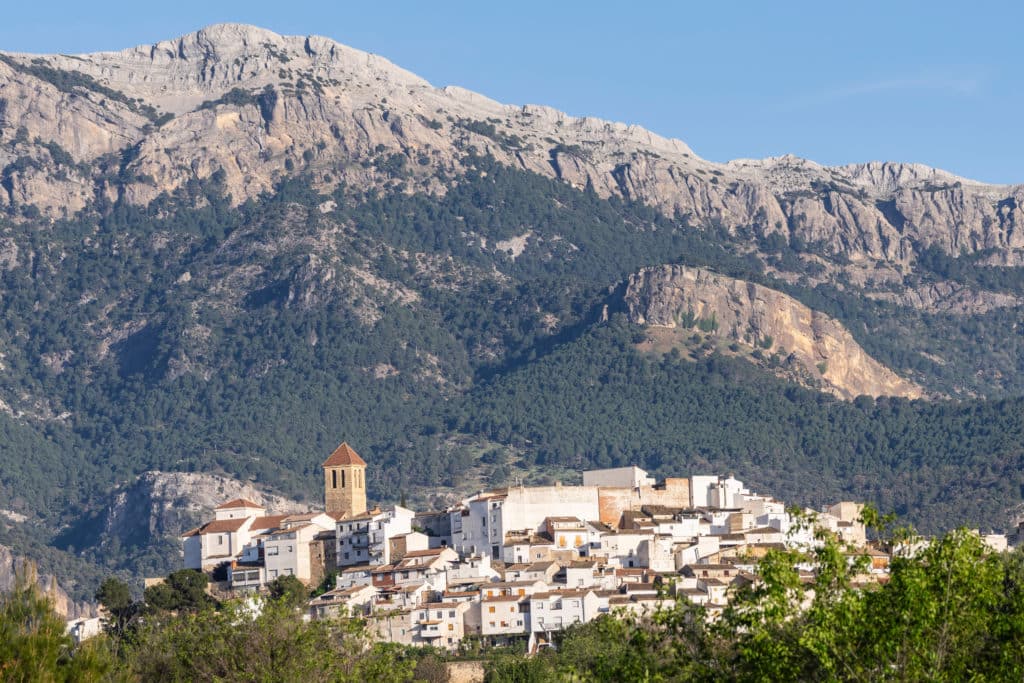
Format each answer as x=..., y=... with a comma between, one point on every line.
x=940, y=83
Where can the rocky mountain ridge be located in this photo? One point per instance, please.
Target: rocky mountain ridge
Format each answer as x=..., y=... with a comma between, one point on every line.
x=255, y=106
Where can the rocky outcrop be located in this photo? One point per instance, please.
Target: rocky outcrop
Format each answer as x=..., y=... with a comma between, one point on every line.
x=674, y=296
x=947, y=297
x=252, y=106
x=14, y=567
x=161, y=505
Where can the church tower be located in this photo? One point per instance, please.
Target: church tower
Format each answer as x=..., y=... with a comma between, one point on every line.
x=344, y=482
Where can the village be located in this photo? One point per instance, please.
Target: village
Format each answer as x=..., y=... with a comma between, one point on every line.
x=514, y=565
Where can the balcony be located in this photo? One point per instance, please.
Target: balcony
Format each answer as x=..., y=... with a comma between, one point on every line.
x=241, y=579
x=431, y=629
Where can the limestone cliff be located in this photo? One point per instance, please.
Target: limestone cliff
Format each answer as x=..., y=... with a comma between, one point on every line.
x=161, y=505
x=13, y=567
x=255, y=106
x=670, y=296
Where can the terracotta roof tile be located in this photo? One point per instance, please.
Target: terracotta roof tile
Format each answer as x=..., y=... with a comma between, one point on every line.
x=237, y=503
x=267, y=522
x=222, y=525
x=344, y=455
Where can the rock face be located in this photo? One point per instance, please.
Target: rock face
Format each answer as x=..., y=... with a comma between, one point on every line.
x=275, y=105
x=13, y=566
x=671, y=296
x=162, y=505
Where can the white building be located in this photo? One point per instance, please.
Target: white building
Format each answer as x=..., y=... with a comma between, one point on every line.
x=481, y=523
x=366, y=538
x=618, y=477
x=558, y=609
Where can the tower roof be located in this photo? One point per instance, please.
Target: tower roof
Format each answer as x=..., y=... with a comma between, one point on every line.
x=344, y=455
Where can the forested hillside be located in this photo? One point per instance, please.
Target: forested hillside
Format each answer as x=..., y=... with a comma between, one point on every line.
x=229, y=270
x=249, y=340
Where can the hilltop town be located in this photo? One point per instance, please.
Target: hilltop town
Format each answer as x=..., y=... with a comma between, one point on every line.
x=517, y=563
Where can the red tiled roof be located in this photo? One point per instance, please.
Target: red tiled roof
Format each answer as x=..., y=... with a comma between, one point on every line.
x=268, y=522
x=237, y=503
x=222, y=525
x=344, y=455
x=425, y=553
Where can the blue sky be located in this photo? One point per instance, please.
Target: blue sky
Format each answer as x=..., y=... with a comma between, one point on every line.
x=939, y=82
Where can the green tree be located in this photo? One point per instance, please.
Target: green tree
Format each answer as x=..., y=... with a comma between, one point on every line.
x=183, y=590
x=288, y=590
x=116, y=598
x=268, y=642
x=35, y=647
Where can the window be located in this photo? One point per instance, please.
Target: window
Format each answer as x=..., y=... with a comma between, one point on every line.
x=346, y=556
x=490, y=610
x=272, y=550
x=334, y=479
x=272, y=574
x=290, y=549
x=451, y=614
x=343, y=479
x=220, y=540
x=451, y=627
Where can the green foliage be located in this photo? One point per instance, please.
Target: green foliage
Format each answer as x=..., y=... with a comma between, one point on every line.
x=953, y=612
x=289, y=590
x=597, y=403
x=267, y=643
x=487, y=129
x=35, y=647
x=116, y=598
x=182, y=591
x=258, y=372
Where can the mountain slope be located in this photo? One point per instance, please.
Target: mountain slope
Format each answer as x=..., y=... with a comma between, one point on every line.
x=276, y=102
x=226, y=252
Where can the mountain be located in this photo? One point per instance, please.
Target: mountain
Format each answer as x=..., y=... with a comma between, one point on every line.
x=223, y=254
x=678, y=298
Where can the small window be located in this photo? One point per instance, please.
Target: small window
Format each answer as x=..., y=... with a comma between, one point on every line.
x=490, y=610
x=451, y=627
x=343, y=479
x=334, y=479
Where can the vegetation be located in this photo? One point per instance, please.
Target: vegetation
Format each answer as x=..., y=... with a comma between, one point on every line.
x=73, y=81
x=193, y=335
x=952, y=612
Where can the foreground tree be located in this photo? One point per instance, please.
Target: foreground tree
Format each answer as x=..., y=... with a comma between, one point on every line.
x=266, y=641
x=951, y=610
x=35, y=647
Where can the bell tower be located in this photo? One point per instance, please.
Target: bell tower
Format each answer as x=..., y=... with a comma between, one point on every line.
x=344, y=482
